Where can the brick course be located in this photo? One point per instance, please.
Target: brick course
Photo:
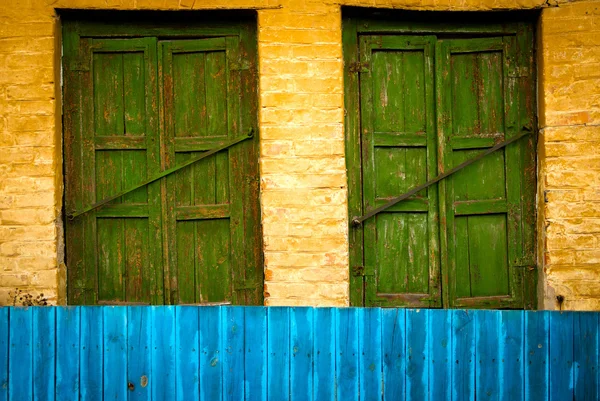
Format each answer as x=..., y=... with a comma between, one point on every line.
x=303, y=178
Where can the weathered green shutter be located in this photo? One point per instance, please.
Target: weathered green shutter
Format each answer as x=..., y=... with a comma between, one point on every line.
x=134, y=108
x=398, y=153
x=201, y=108
x=426, y=104
x=115, y=252
x=479, y=107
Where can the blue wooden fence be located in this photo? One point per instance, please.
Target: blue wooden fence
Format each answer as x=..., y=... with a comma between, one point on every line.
x=257, y=353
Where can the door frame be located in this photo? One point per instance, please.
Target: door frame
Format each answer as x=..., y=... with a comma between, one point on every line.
x=359, y=21
x=167, y=25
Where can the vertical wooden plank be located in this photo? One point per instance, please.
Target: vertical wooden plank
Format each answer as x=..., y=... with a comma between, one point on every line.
x=512, y=354
x=91, y=357
x=346, y=339
x=439, y=337
x=187, y=360
x=417, y=354
x=463, y=348
x=353, y=155
x=393, y=329
x=44, y=337
x=537, y=351
x=233, y=353
x=586, y=356
x=211, y=353
x=443, y=107
x=561, y=356
x=67, y=353
x=487, y=365
x=278, y=359
x=255, y=358
x=324, y=374
x=302, y=353
x=20, y=364
x=162, y=378
x=370, y=358
x=115, y=352
x=4, y=351
x=139, y=341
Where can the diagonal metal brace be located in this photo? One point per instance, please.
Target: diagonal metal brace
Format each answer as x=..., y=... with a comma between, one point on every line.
x=165, y=173
x=357, y=221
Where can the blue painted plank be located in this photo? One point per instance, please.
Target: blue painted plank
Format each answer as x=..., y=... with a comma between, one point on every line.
x=4, y=342
x=393, y=329
x=536, y=355
x=255, y=362
x=324, y=328
x=370, y=360
x=301, y=343
x=561, y=356
x=417, y=372
x=67, y=353
x=187, y=360
x=162, y=378
x=91, y=357
x=233, y=356
x=139, y=335
x=347, y=354
x=44, y=325
x=278, y=360
x=439, y=333
x=211, y=361
x=115, y=352
x=586, y=356
x=20, y=376
x=487, y=365
x=463, y=347
x=511, y=354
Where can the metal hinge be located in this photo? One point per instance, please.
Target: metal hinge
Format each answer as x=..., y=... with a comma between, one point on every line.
x=357, y=66
x=359, y=271
x=524, y=263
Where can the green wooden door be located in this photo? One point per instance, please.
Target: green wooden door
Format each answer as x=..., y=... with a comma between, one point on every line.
x=134, y=108
x=426, y=105
x=398, y=153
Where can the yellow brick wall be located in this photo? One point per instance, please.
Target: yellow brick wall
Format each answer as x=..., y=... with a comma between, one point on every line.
x=569, y=154
x=303, y=178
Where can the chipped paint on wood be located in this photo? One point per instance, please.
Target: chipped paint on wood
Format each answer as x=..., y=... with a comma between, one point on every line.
x=150, y=105
x=481, y=256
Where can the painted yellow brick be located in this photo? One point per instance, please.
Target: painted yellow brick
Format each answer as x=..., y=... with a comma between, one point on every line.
x=308, y=131
x=31, y=92
x=303, y=197
x=571, y=178
x=572, y=241
x=272, y=181
x=276, y=148
x=328, y=21
x=299, y=36
x=27, y=216
x=317, y=51
x=305, y=165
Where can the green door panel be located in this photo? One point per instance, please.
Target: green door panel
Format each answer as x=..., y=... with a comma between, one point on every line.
x=478, y=110
x=398, y=146
x=116, y=250
x=424, y=105
x=200, y=112
x=134, y=108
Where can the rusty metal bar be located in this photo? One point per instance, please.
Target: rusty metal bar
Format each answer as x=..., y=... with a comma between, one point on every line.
x=357, y=221
x=165, y=173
